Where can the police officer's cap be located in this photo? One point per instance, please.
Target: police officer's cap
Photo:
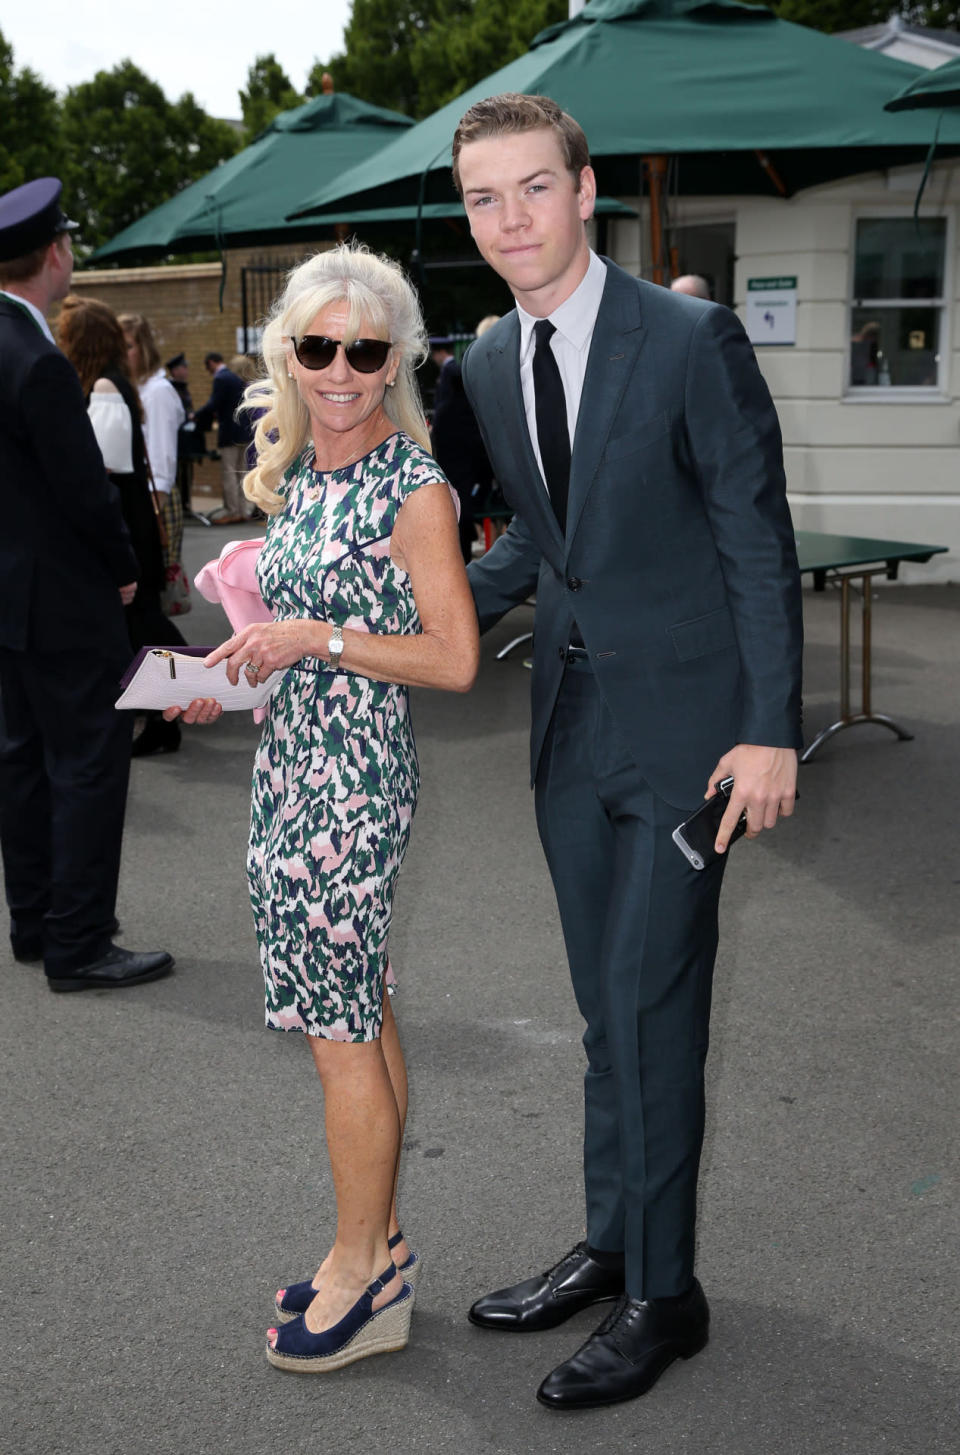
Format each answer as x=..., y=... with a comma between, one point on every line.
x=176, y=361
x=31, y=217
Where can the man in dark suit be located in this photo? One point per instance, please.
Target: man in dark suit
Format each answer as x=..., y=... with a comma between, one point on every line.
x=66, y=571
x=633, y=435
x=455, y=439
x=233, y=437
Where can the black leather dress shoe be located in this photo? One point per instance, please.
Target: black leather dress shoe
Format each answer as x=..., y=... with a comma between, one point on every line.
x=630, y=1350
x=114, y=970
x=542, y=1303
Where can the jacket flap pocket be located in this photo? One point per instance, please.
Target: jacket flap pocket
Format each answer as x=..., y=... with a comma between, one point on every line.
x=638, y=436
x=703, y=634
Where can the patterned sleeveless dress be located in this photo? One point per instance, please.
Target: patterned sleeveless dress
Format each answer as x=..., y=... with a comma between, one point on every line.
x=336, y=776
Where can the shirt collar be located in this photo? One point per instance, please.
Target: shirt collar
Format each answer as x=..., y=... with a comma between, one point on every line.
x=33, y=310
x=575, y=317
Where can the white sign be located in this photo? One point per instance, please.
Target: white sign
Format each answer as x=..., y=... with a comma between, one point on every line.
x=249, y=342
x=771, y=311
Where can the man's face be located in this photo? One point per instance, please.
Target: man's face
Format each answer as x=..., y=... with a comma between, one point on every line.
x=526, y=215
x=211, y=366
x=179, y=372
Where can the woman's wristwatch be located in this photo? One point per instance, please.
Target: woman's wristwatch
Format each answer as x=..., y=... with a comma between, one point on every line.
x=335, y=644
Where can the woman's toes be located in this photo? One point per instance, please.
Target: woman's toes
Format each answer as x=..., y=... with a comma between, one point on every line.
x=281, y=1294
x=272, y=1338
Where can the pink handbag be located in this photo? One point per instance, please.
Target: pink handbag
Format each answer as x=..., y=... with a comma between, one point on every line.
x=232, y=581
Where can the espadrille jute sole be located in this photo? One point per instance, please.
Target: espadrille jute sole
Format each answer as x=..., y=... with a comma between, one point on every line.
x=409, y=1275
x=385, y=1332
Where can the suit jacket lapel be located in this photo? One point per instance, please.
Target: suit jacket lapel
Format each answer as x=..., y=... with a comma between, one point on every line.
x=618, y=337
x=536, y=509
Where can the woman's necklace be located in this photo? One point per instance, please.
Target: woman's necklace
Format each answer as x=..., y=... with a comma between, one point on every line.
x=357, y=452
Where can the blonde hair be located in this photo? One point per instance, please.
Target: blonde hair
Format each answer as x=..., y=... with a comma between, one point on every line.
x=136, y=329
x=244, y=367
x=486, y=323
x=377, y=294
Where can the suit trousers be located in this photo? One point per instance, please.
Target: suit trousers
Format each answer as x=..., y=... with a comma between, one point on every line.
x=64, y=766
x=232, y=470
x=640, y=928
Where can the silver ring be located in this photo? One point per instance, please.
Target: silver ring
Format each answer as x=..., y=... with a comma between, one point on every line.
x=252, y=667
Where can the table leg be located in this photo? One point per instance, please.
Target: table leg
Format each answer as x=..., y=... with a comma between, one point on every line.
x=866, y=714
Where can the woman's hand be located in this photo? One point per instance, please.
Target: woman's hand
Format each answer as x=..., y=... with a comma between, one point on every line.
x=268, y=647
x=201, y=709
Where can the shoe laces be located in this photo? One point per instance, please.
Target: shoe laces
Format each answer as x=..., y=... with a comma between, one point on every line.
x=614, y=1316
x=576, y=1252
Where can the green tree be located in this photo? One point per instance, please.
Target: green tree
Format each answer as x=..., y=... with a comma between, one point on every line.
x=832, y=15
x=415, y=55
x=127, y=148
x=457, y=51
x=29, y=125
x=269, y=91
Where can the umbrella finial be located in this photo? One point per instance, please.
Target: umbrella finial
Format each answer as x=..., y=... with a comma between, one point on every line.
x=326, y=84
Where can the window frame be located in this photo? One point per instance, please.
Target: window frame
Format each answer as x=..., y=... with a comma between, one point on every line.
x=938, y=393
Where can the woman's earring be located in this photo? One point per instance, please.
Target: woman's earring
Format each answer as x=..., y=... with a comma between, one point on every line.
x=390, y=383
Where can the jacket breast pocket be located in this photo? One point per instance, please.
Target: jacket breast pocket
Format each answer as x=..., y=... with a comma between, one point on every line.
x=638, y=437
x=703, y=634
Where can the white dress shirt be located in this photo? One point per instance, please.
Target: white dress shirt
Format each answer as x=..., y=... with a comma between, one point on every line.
x=163, y=414
x=574, y=322
x=33, y=310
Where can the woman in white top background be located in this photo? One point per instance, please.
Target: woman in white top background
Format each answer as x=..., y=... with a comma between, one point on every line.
x=92, y=339
x=163, y=414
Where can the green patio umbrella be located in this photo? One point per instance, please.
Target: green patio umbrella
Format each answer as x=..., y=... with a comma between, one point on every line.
x=741, y=101
x=243, y=202
x=931, y=90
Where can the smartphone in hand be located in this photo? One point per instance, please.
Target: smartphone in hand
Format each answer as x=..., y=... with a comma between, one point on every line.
x=697, y=836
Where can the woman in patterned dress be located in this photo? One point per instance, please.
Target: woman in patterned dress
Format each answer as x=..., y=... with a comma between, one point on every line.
x=362, y=567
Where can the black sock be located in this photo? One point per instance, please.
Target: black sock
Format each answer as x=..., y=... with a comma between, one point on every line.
x=612, y=1261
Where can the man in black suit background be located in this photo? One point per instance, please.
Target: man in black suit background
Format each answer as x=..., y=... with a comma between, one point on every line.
x=66, y=571
x=633, y=435
x=233, y=437
x=455, y=438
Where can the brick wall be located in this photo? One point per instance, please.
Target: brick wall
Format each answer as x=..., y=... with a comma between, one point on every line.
x=182, y=302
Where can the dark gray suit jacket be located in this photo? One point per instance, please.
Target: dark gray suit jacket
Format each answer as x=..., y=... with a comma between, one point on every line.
x=679, y=564
x=64, y=549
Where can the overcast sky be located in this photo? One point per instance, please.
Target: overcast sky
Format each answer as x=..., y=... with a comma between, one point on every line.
x=186, y=45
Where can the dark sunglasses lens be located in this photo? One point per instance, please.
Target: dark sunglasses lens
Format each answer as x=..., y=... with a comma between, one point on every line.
x=367, y=355
x=314, y=351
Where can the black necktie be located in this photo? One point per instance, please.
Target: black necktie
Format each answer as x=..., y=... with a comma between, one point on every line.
x=551, y=410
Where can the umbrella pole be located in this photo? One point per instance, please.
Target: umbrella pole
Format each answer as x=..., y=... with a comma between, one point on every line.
x=656, y=172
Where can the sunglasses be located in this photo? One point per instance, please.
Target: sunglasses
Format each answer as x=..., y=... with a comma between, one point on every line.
x=366, y=355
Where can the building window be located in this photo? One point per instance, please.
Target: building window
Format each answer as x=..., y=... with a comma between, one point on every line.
x=898, y=317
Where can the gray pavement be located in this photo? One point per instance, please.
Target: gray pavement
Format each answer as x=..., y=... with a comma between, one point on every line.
x=163, y=1164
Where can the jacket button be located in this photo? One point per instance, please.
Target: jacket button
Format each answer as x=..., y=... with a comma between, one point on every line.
x=563, y=653
x=574, y=583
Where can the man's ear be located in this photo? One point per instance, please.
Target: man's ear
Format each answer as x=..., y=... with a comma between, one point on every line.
x=588, y=193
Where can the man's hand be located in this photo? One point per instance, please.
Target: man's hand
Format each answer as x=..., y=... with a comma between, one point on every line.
x=127, y=593
x=201, y=709
x=764, y=784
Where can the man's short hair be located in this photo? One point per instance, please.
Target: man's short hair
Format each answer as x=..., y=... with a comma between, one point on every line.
x=21, y=270
x=512, y=114
x=213, y=358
